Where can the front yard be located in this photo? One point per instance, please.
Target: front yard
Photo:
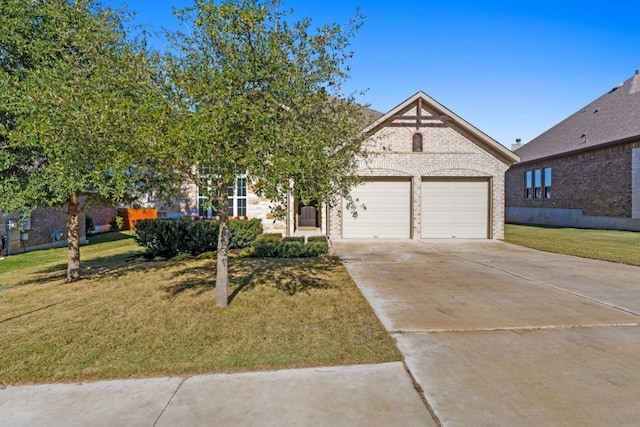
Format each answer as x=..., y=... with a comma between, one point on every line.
x=606, y=245
x=136, y=318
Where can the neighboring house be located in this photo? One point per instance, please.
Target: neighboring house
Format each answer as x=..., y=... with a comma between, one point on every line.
x=585, y=171
x=46, y=228
x=432, y=175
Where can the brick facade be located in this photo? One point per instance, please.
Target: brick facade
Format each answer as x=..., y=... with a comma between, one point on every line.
x=47, y=228
x=447, y=152
x=450, y=148
x=599, y=182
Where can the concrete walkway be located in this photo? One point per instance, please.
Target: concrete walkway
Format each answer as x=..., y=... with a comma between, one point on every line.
x=496, y=334
x=364, y=395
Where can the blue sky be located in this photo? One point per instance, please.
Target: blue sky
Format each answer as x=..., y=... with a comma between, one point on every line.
x=511, y=68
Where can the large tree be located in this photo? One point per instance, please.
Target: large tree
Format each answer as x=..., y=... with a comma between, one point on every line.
x=80, y=113
x=258, y=93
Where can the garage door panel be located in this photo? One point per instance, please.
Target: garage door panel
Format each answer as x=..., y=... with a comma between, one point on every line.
x=387, y=213
x=455, y=208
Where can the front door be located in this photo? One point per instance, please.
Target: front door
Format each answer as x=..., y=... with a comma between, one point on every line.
x=308, y=216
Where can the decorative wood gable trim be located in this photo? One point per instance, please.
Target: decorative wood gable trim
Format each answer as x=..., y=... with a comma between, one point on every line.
x=438, y=116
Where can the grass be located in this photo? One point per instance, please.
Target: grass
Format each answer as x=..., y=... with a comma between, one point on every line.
x=607, y=245
x=135, y=318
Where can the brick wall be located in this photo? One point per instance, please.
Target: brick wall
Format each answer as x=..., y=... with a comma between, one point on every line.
x=44, y=223
x=447, y=152
x=599, y=182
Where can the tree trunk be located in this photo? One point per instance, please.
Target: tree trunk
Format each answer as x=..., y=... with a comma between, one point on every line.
x=73, y=238
x=222, y=269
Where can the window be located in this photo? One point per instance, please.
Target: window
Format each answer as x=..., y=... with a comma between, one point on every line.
x=417, y=142
x=238, y=197
x=547, y=183
x=528, y=185
x=537, y=184
x=208, y=203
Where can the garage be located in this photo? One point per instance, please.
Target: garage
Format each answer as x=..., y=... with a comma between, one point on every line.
x=455, y=208
x=387, y=214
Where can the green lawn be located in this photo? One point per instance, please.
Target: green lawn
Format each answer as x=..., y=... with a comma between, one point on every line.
x=606, y=245
x=136, y=318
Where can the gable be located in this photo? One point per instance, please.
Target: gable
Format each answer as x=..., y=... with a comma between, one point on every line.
x=422, y=114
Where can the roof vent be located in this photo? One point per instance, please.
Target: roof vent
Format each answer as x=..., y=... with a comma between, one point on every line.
x=617, y=87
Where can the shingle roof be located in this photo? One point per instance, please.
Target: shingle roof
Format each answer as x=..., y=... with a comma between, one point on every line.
x=613, y=117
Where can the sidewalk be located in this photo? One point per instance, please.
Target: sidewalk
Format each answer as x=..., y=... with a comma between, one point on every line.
x=361, y=395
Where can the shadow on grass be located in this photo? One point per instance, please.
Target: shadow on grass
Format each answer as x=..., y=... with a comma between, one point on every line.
x=113, y=236
x=291, y=276
x=113, y=266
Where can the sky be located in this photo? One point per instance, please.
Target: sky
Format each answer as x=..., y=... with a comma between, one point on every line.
x=512, y=69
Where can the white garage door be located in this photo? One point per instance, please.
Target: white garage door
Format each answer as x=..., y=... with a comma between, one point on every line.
x=387, y=214
x=455, y=208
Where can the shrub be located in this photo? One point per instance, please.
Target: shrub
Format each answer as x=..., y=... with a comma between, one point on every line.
x=116, y=223
x=315, y=248
x=266, y=245
x=290, y=249
x=317, y=239
x=244, y=232
x=294, y=239
x=169, y=237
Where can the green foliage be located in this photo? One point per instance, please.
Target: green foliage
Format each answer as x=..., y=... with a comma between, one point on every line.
x=290, y=249
x=316, y=248
x=266, y=245
x=116, y=223
x=169, y=237
x=81, y=114
x=256, y=92
x=244, y=232
x=271, y=245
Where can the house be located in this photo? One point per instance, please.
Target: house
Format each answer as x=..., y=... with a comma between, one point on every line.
x=585, y=171
x=46, y=228
x=432, y=175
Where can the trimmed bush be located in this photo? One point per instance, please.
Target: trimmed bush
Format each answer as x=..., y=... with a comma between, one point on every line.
x=290, y=248
x=266, y=245
x=315, y=248
x=322, y=239
x=168, y=237
x=244, y=232
x=299, y=239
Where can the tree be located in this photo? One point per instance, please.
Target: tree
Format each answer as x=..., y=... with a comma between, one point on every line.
x=260, y=95
x=80, y=113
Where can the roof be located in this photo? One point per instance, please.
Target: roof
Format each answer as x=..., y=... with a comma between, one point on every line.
x=441, y=114
x=612, y=118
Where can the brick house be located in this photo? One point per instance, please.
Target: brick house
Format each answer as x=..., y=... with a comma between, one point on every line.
x=432, y=175
x=46, y=228
x=585, y=171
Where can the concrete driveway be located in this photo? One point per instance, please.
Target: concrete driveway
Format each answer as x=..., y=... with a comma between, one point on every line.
x=497, y=334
